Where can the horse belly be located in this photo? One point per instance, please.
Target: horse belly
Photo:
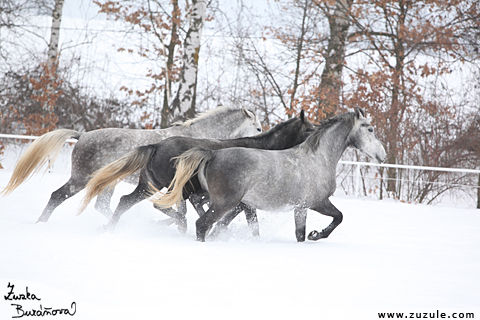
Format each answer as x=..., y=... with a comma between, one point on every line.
x=267, y=203
x=275, y=192
x=284, y=187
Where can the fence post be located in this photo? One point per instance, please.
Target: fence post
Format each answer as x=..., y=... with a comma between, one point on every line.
x=357, y=181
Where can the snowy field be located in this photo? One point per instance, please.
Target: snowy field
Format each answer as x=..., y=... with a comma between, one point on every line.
x=384, y=257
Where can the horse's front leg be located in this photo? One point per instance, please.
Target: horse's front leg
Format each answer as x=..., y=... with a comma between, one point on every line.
x=252, y=220
x=300, y=214
x=328, y=209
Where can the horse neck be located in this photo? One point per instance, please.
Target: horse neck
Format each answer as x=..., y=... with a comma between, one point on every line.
x=247, y=142
x=271, y=140
x=333, y=143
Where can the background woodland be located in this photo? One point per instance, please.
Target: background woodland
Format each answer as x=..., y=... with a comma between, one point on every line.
x=412, y=65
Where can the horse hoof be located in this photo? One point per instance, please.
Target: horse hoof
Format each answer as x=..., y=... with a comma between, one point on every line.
x=182, y=229
x=315, y=235
x=42, y=219
x=219, y=229
x=109, y=227
x=166, y=222
x=182, y=225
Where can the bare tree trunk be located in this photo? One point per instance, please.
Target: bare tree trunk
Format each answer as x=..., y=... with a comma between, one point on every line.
x=298, y=58
x=55, y=33
x=183, y=105
x=397, y=112
x=52, y=60
x=331, y=79
x=169, y=64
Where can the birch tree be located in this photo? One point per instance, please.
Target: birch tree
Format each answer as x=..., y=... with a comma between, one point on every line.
x=169, y=29
x=183, y=106
x=47, y=87
x=52, y=54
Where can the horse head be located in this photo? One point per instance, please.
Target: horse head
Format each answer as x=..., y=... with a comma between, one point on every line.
x=249, y=127
x=363, y=137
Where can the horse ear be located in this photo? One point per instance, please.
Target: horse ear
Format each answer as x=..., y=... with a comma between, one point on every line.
x=359, y=113
x=302, y=115
x=248, y=113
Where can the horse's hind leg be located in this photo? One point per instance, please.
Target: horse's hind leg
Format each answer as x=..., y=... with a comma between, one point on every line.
x=328, y=209
x=179, y=216
x=126, y=202
x=214, y=213
x=198, y=200
x=66, y=191
x=300, y=214
x=102, y=204
x=250, y=214
x=222, y=225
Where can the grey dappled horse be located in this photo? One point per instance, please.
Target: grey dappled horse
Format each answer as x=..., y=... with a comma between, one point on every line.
x=157, y=167
x=303, y=177
x=98, y=148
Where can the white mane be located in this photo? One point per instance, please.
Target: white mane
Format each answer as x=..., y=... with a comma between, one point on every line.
x=204, y=115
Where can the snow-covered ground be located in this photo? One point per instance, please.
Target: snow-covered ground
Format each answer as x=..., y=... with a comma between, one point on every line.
x=384, y=257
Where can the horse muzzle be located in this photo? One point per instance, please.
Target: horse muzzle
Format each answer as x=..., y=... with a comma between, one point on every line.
x=380, y=159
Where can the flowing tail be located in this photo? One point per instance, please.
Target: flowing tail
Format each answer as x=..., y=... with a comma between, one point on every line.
x=43, y=150
x=187, y=165
x=110, y=175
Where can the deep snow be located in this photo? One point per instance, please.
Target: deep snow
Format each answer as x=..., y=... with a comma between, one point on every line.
x=384, y=257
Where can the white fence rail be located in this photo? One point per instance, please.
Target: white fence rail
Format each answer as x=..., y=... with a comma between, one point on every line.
x=359, y=165
x=16, y=136
x=358, y=177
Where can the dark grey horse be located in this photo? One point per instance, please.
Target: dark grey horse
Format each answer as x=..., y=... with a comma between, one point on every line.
x=303, y=177
x=157, y=167
x=97, y=148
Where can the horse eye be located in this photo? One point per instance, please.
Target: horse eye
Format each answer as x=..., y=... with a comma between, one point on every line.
x=370, y=129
